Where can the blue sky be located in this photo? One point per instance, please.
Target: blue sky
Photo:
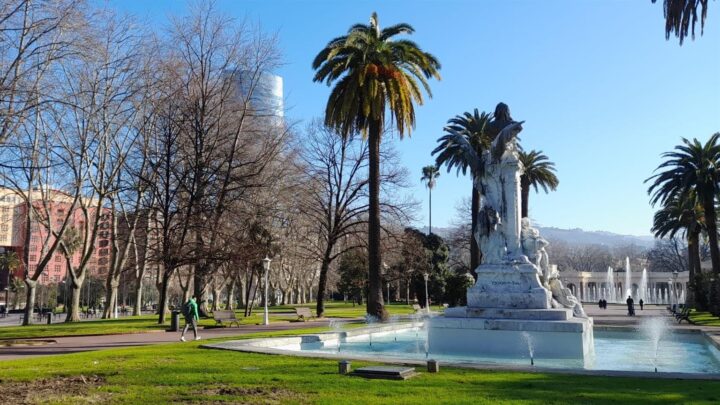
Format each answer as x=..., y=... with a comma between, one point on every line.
x=602, y=92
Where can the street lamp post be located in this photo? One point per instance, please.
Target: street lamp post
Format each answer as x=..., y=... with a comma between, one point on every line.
x=427, y=299
x=266, y=268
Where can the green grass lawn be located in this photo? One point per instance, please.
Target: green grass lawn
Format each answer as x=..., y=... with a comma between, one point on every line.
x=183, y=372
x=703, y=318
x=148, y=323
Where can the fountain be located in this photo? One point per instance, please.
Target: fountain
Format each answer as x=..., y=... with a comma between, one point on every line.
x=628, y=279
x=643, y=286
x=517, y=291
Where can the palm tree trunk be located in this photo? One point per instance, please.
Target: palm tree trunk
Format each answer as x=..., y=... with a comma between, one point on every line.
x=430, y=208
x=693, y=265
x=524, y=195
x=474, y=248
x=375, y=304
x=711, y=227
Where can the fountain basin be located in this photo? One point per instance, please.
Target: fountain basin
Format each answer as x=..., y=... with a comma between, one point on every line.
x=618, y=351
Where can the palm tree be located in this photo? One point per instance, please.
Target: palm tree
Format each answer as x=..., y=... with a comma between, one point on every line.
x=682, y=15
x=692, y=168
x=9, y=262
x=683, y=214
x=373, y=73
x=472, y=127
x=538, y=171
x=429, y=177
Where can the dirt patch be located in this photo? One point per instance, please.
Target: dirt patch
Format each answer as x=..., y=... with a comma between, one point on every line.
x=243, y=395
x=74, y=389
x=26, y=342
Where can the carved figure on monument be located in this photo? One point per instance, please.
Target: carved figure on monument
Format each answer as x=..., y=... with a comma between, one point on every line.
x=490, y=241
x=563, y=296
x=534, y=248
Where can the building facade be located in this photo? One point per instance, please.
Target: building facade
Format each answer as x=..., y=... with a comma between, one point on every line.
x=57, y=205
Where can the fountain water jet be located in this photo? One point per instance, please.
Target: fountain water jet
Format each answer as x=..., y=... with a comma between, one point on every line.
x=610, y=281
x=628, y=278
x=643, y=286
x=654, y=329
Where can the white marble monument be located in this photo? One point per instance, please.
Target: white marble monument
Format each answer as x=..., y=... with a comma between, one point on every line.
x=517, y=296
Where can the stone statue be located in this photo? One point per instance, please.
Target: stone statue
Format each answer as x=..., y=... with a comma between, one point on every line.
x=501, y=119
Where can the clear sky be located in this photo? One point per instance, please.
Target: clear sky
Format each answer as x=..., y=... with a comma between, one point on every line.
x=602, y=92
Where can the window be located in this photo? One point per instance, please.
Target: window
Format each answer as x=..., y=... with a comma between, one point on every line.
x=32, y=267
x=32, y=258
x=58, y=258
x=104, y=243
x=33, y=238
x=104, y=260
x=4, y=228
x=33, y=248
x=61, y=212
x=104, y=234
x=104, y=252
x=45, y=278
x=57, y=268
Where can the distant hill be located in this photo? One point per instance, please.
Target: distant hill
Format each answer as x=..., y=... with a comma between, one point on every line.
x=578, y=236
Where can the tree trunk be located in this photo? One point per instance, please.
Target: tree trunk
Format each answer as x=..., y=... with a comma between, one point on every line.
x=74, y=312
x=430, y=210
x=137, y=308
x=30, y=287
x=163, y=299
x=199, y=290
x=524, y=195
x=693, y=265
x=111, y=297
x=711, y=227
x=230, y=301
x=216, y=298
x=375, y=304
x=474, y=248
x=322, y=283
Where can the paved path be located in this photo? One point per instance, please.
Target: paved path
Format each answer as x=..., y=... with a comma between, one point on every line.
x=73, y=344
x=615, y=315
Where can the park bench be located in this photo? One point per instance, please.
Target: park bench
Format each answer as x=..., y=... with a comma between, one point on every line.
x=684, y=315
x=303, y=313
x=225, y=316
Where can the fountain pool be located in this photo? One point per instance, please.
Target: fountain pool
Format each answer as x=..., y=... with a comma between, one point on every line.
x=614, y=350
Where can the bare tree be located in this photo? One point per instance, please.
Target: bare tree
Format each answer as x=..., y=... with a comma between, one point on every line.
x=34, y=36
x=668, y=255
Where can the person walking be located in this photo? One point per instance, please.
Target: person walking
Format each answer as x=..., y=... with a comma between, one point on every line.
x=641, y=303
x=631, y=306
x=190, y=312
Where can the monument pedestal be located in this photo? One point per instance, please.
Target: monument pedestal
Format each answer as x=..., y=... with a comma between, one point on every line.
x=508, y=286
x=504, y=333
x=507, y=307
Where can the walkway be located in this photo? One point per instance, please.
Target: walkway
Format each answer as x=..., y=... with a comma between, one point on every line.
x=73, y=344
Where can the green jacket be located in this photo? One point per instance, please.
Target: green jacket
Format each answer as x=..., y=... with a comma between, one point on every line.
x=193, y=309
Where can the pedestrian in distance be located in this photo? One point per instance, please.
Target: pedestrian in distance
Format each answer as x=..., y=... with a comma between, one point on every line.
x=190, y=312
x=631, y=306
x=641, y=303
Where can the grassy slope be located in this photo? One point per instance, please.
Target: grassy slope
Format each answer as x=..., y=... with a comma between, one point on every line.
x=147, y=323
x=186, y=373
x=704, y=318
